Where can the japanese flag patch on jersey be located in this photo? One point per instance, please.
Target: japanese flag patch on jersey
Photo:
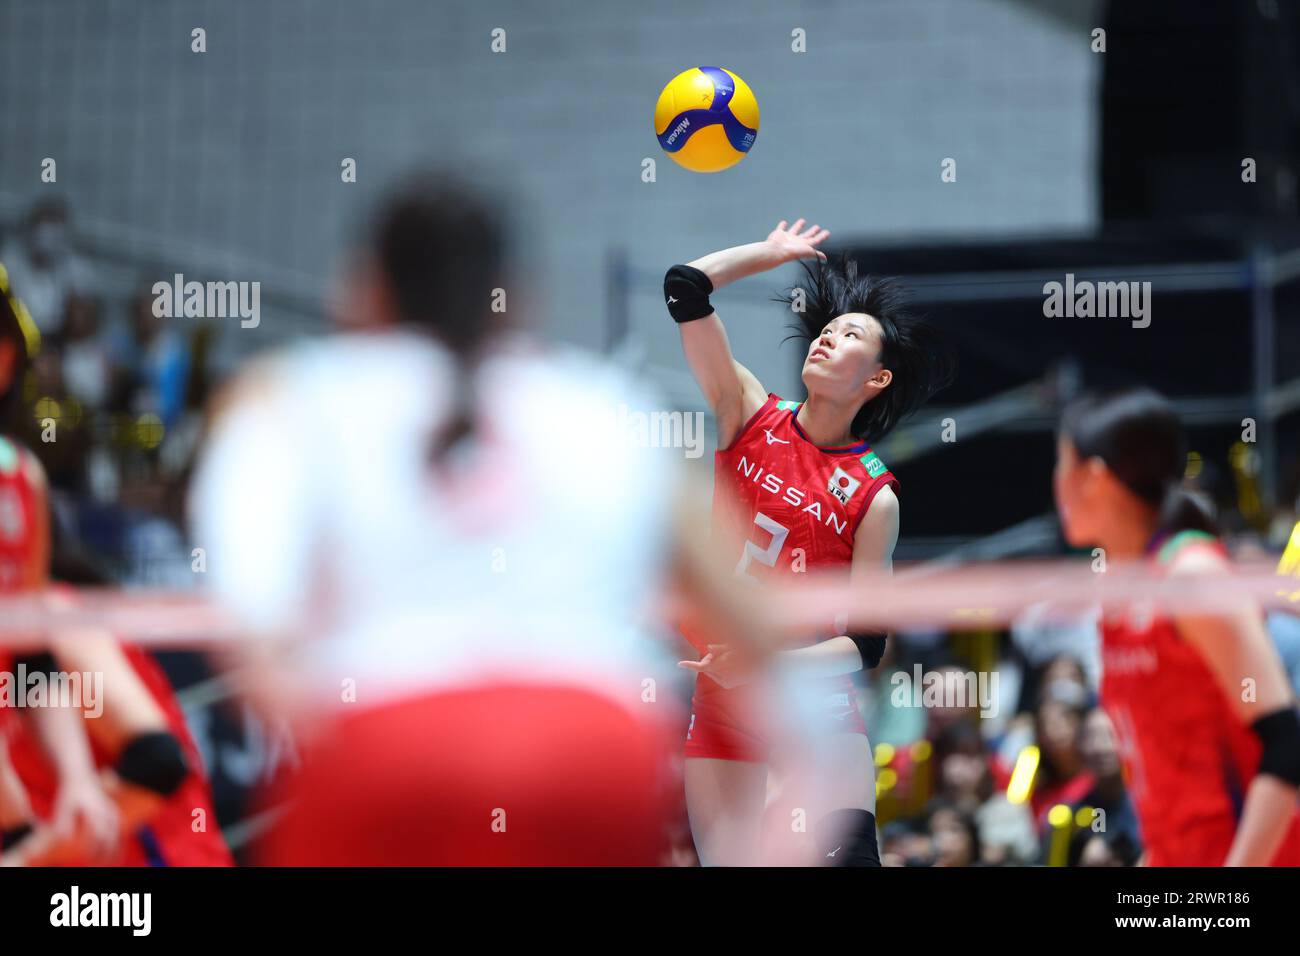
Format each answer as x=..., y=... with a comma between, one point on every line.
x=842, y=485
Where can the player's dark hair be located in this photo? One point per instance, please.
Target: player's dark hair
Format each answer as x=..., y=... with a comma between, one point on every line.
x=11, y=331
x=1136, y=432
x=441, y=249
x=920, y=358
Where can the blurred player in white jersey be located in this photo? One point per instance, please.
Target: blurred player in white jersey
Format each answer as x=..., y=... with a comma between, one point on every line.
x=448, y=549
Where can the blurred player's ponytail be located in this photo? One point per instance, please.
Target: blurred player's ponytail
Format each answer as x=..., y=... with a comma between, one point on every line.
x=441, y=251
x=1136, y=432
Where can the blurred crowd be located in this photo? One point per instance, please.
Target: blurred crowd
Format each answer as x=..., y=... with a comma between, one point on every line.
x=1027, y=773
x=112, y=405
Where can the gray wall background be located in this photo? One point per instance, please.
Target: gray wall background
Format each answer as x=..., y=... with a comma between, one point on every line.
x=227, y=162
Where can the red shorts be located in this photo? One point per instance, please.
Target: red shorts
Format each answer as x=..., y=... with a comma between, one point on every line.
x=733, y=724
x=497, y=775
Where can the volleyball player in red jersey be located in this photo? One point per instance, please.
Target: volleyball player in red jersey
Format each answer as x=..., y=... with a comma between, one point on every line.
x=1205, y=715
x=81, y=810
x=797, y=487
x=120, y=784
x=146, y=762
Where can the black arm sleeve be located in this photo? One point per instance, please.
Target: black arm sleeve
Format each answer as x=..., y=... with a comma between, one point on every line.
x=686, y=293
x=1279, y=732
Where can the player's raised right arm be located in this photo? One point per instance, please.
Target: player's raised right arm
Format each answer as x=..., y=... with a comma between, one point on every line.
x=732, y=391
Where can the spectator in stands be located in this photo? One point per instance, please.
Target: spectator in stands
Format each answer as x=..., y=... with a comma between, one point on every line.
x=955, y=705
x=1100, y=752
x=49, y=424
x=159, y=362
x=965, y=780
x=1062, y=776
x=1007, y=833
x=1065, y=680
x=969, y=782
x=1102, y=849
x=955, y=837
x=87, y=364
x=44, y=268
x=1042, y=635
x=904, y=843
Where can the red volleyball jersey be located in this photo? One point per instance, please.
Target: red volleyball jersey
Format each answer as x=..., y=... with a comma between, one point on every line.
x=787, y=505
x=1188, y=758
x=169, y=837
x=22, y=526
x=21, y=530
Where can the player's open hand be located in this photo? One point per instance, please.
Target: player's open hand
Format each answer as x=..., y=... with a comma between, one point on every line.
x=85, y=816
x=724, y=663
x=796, y=242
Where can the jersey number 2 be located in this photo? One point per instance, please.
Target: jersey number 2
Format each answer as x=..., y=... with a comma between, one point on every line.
x=766, y=555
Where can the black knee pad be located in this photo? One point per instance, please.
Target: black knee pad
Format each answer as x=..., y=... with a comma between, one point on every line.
x=12, y=837
x=848, y=838
x=153, y=761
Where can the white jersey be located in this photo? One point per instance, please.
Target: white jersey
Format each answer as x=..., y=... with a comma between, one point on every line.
x=534, y=554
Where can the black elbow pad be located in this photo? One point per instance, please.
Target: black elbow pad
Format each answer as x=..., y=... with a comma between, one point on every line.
x=871, y=646
x=686, y=293
x=1279, y=732
x=153, y=761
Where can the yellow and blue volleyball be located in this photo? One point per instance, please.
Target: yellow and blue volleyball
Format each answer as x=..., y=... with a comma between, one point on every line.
x=706, y=119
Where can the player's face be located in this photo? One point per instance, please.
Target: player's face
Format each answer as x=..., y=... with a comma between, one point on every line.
x=1075, y=492
x=844, y=361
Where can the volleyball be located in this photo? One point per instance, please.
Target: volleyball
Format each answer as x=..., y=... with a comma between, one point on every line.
x=706, y=119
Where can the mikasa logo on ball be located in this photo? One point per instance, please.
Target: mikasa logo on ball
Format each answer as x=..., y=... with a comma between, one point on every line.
x=842, y=485
x=706, y=119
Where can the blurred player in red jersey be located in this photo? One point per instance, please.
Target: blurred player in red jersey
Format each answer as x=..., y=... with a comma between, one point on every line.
x=115, y=783
x=1205, y=715
x=82, y=810
x=144, y=758
x=445, y=550
x=797, y=487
